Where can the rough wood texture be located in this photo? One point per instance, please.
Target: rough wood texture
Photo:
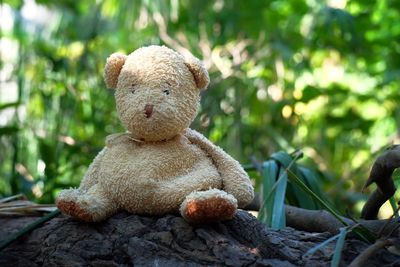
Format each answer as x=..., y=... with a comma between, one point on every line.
x=126, y=240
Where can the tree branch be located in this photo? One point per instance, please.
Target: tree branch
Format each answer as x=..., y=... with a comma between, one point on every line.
x=381, y=174
x=364, y=257
x=322, y=221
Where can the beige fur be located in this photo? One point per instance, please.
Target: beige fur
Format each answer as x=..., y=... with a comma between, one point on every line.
x=159, y=164
x=113, y=68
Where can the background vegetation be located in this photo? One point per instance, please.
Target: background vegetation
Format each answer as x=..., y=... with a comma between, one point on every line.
x=320, y=76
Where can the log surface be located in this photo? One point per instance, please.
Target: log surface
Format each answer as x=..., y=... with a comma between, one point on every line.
x=127, y=240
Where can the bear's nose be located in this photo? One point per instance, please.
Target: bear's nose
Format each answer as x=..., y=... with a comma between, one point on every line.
x=148, y=110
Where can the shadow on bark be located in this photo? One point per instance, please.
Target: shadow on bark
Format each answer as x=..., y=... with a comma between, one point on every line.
x=126, y=240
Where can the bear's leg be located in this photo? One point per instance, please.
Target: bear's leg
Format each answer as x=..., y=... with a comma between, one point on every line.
x=208, y=206
x=90, y=206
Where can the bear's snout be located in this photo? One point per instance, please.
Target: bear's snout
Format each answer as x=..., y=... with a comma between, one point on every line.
x=148, y=110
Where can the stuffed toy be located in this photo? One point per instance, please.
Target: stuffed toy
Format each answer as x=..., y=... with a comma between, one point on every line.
x=159, y=165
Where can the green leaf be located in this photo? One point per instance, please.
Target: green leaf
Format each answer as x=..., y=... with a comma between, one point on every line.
x=269, y=177
x=9, y=105
x=8, y=130
x=274, y=199
x=287, y=161
x=302, y=198
x=309, y=93
x=278, y=220
x=393, y=204
x=295, y=179
x=15, y=3
x=283, y=158
x=312, y=179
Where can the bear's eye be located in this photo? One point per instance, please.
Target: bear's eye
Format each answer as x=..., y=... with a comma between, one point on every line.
x=166, y=92
x=133, y=91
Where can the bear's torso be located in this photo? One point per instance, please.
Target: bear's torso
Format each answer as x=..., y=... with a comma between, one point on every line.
x=155, y=178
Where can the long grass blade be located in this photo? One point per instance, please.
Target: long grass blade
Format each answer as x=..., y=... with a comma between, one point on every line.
x=12, y=198
x=321, y=245
x=311, y=179
x=269, y=175
x=29, y=228
x=280, y=177
x=278, y=220
x=298, y=195
x=295, y=179
x=272, y=186
x=339, y=247
x=292, y=173
x=302, y=198
x=361, y=233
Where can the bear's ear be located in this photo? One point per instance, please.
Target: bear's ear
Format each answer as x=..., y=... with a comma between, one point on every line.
x=198, y=71
x=113, y=68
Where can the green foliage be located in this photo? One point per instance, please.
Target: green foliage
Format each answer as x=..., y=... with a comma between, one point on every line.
x=283, y=179
x=274, y=194
x=320, y=76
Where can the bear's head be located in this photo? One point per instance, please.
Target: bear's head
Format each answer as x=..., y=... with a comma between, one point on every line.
x=157, y=91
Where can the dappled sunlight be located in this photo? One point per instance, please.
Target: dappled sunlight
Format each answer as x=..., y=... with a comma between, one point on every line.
x=275, y=92
x=386, y=211
x=337, y=3
x=287, y=111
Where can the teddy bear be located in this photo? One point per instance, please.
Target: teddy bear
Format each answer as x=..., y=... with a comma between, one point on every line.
x=159, y=165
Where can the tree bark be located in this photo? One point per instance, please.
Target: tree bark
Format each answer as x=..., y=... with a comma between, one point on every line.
x=127, y=239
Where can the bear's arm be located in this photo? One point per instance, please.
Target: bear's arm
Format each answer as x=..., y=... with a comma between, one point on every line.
x=92, y=174
x=235, y=179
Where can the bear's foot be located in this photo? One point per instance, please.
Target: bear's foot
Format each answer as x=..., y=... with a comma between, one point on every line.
x=68, y=203
x=209, y=206
x=89, y=206
x=73, y=209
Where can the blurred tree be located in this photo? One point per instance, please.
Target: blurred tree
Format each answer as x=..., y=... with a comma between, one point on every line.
x=319, y=76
